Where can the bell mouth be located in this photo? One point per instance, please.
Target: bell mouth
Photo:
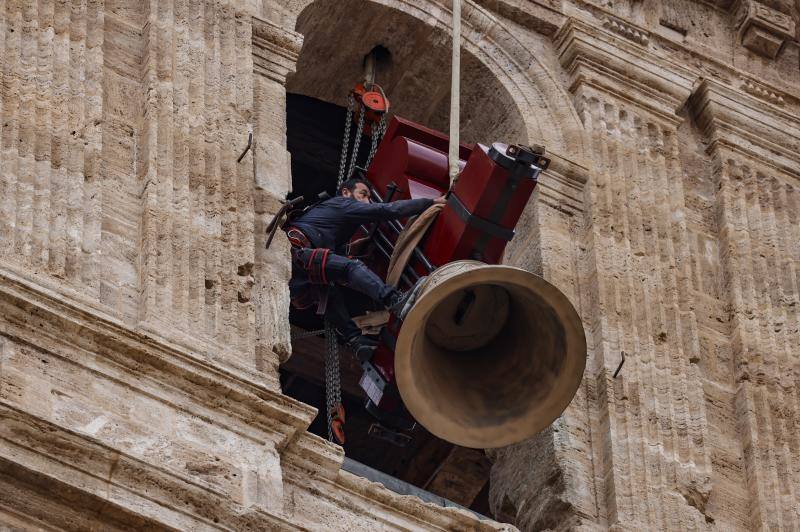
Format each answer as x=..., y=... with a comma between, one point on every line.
x=489, y=355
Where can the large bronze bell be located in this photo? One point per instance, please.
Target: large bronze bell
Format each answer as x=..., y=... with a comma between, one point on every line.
x=489, y=355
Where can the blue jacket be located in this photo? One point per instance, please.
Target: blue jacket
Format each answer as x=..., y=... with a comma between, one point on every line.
x=333, y=222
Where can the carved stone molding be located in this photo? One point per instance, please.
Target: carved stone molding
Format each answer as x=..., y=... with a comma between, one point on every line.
x=275, y=50
x=763, y=92
x=627, y=30
x=599, y=60
x=747, y=125
x=241, y=449
x=561, y=186
x=89, y=468
x=763, y=30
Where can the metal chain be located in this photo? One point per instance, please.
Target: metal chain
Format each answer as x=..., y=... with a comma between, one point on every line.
x=333, y=391
x=307, y=334
x=377, y=135
x=357, y=140
x=348, y=121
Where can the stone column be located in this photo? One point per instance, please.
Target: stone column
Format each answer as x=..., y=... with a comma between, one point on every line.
x=275, y=51
x=651, y=423
x=754, y=142
x=196, y=259
x=646, y=431
x=51, y=110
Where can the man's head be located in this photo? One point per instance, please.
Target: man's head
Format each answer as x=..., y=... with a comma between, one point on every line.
x=355, y=188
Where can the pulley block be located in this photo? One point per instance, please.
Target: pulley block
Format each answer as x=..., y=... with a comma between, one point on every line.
x=374, y=102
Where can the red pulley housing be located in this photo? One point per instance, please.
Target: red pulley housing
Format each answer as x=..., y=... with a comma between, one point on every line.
x=375, y=104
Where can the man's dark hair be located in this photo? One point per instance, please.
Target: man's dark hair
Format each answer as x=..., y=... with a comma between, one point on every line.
x=351, y=183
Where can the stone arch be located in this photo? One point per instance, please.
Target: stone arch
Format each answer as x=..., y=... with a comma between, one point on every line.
x=544, y=106
x=541, y=103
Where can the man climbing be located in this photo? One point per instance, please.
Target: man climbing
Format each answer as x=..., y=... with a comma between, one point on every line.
x=319, y=264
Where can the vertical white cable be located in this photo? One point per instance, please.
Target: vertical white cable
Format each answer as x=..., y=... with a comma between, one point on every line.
x=455, y=90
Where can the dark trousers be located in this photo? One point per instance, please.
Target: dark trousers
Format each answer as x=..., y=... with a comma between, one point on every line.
x=339, y=271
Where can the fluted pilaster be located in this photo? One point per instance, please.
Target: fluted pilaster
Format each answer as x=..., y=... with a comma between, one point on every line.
x=196, y=261
x=647, y=429
x=755, y=206
x=51, y=110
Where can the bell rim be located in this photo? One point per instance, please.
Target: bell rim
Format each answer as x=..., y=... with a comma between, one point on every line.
x=575, y=359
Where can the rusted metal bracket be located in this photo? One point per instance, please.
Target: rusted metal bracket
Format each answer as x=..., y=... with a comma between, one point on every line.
x=247, y=148
x=621, y=362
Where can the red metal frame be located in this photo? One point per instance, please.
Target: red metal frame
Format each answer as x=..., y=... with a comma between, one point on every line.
x=490, y=195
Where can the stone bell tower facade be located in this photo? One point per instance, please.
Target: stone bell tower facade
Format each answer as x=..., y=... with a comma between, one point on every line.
x=142, y=322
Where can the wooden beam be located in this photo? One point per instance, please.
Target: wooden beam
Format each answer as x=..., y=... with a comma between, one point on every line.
x=461, y=476
x=430, y=452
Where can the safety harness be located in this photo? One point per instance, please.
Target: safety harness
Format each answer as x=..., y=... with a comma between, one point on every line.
x=372, y=108
x=314, y=265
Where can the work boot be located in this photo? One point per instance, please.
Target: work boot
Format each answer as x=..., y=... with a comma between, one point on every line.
x=363, y=347
x=401, y=302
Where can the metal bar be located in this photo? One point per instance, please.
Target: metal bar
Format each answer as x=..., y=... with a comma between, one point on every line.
x=385, y=239
x=423, y=259
x=375, y=196
x=386, y=253
x=390, y=190
x=394, y=224
x=388, y=242
x=398, y=228
x=388, y=256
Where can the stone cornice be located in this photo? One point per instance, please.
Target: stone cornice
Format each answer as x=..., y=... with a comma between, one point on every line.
x=657, y=74
x=183, y=502
x=275, y=50
x=616, y=60
x=449, y=518
x=313, y=455
x=541, y=17
x=680, y=53
x=155, y=493
x=398, y=512
x=748, y=125
x=704, y=66
x=626, y=30
x=187, y=380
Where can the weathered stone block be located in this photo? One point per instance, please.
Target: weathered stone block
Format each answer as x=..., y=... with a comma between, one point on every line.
x=763, y=29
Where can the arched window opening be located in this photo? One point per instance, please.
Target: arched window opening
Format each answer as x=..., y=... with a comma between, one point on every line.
x=412, y=64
